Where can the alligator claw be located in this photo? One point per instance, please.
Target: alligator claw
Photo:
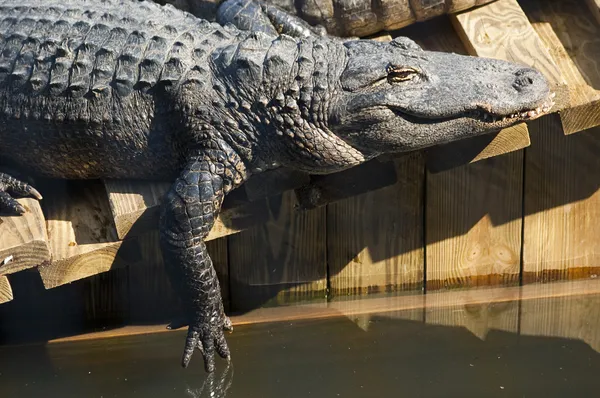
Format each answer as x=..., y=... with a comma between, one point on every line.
x=207, y=340
x=11, y=184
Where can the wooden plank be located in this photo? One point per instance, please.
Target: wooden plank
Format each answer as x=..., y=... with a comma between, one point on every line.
x=281, y=261
x=23, y=239
x=562, y=203
x=595, y=8
x=82, y=238
x=501, y=30
x=6, y=293
x=135, y=204
x=473, y=224
x=573, y=317
x=445, y=157
x=324, y=189
x=572, y=36
x=375, y=240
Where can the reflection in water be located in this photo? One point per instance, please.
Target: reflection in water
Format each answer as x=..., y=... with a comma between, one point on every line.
x=501, y=343
x=214, y=386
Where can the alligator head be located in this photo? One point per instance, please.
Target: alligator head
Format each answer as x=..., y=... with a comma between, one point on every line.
x=397, y=97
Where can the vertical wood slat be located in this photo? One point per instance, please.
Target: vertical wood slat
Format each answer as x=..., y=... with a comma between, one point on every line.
x=572, y=36
x=473, y=213
x=281, y=261
x=150, y=295
x=23, y=239
x=562, y=203
x=375, y=240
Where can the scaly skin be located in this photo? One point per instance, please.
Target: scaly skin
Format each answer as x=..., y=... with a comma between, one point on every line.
x=345, y=17
x=110, y=89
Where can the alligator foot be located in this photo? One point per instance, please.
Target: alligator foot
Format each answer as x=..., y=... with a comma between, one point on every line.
x=8, y=185
x=207, y=336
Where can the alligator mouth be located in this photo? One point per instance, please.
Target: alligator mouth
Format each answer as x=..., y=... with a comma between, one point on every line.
x=481, y=115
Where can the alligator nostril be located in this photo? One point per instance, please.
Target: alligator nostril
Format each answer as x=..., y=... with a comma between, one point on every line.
x=523, y=79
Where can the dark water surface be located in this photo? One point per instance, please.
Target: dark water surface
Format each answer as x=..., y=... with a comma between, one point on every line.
x=414, y=353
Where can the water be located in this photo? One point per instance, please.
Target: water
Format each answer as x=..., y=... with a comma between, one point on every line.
x=535, y=348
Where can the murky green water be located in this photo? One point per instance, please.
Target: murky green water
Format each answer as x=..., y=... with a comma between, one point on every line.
x=482, y=351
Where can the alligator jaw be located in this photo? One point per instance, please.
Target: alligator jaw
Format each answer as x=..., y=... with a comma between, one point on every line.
x=481, y=115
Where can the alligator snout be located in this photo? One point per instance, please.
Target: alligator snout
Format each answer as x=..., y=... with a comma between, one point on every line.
x=528, y=79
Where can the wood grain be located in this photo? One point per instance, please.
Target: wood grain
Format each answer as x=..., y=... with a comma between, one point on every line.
x=6, y=293
x=572, y=36
x=501, y=30
x=81, y=235
x=134, y=206
x=23, y=239
x=562, y=202
x=375, y=240
x=473, y=224
x=281, y=261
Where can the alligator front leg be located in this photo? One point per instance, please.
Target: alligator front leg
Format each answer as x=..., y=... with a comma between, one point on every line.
x=8, y=185
x=187, y=215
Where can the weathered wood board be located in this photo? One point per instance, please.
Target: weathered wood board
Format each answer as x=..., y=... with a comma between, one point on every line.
x=6, y=293
x=135, y=204
x=572, y=36
x=501, y=30
x=23, y=239
x=81, y=235
x=561, y=203
x=375, y=240
x=281, y=261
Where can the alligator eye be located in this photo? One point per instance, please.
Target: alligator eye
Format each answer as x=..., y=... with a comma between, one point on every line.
x=401, y=74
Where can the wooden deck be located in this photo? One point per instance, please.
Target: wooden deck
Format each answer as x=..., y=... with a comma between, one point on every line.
x=512, y=208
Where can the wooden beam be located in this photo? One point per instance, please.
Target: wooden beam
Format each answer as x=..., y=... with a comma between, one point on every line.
x=134, y=206
x=570, y=33
x=81, y=234
x=23, y=239
x=445, y=157
x=562, y=204
x=375, y=240
x=6, y=293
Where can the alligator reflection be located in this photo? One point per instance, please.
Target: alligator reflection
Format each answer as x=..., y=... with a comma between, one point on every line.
x=214, y=387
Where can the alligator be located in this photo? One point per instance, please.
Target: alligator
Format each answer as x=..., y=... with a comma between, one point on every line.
x=342, y=17
x=121, y=89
